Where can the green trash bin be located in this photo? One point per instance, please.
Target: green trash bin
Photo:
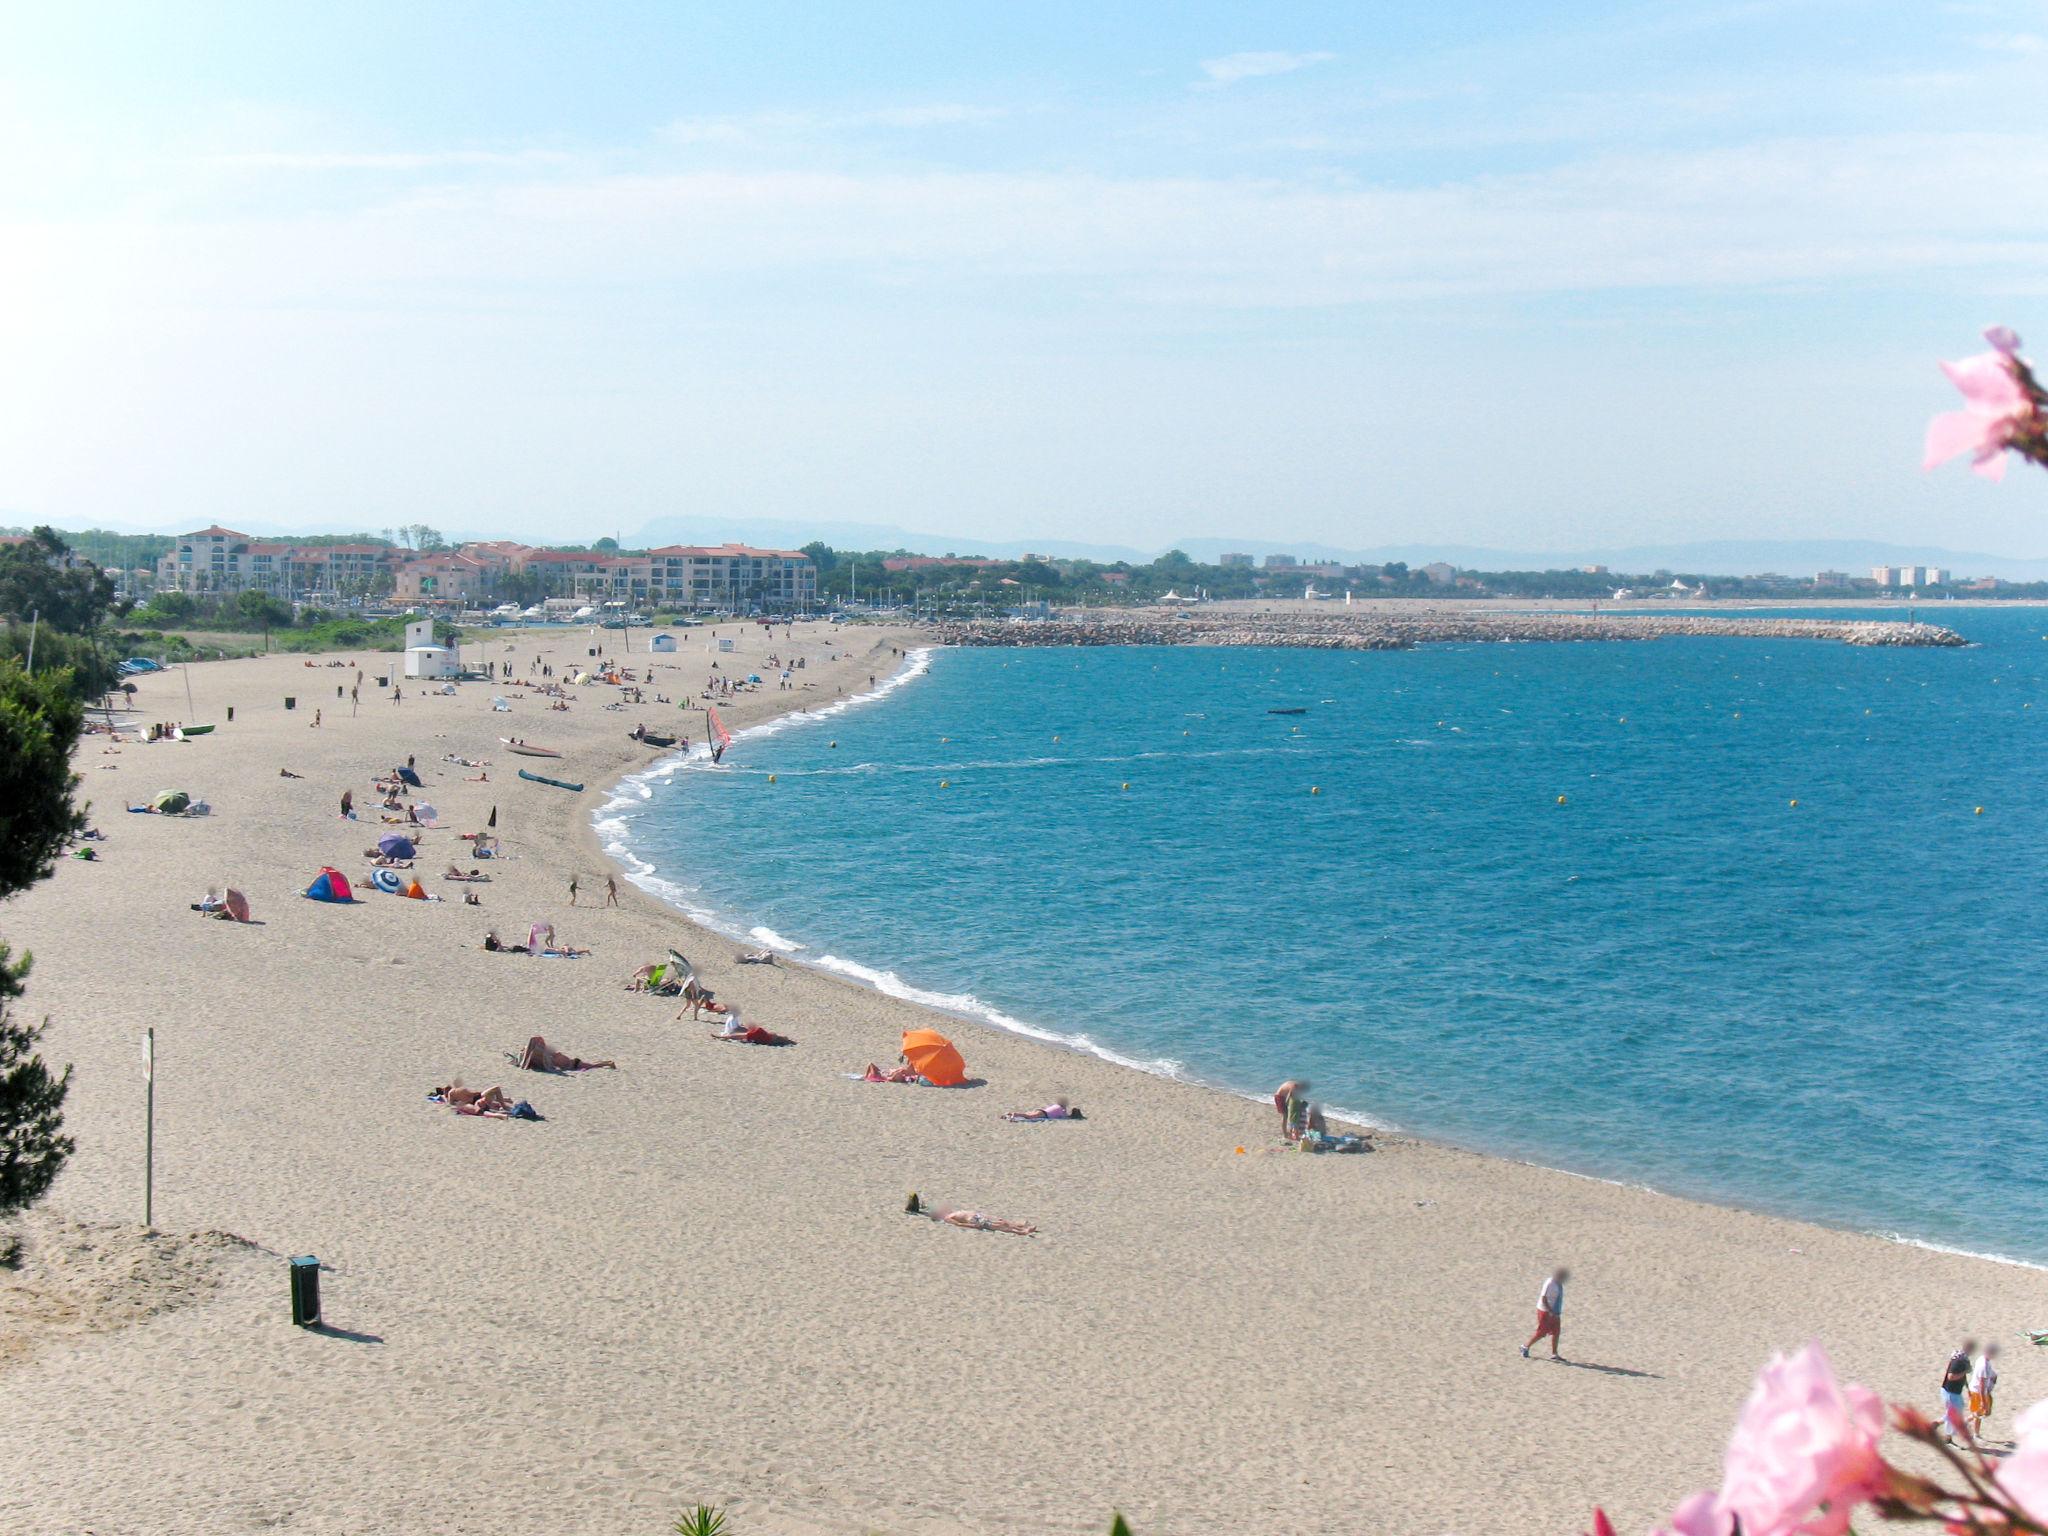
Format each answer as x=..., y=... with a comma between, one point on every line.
x=306, y=1292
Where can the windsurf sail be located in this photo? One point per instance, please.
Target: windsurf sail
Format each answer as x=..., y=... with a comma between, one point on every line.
x=718, y=729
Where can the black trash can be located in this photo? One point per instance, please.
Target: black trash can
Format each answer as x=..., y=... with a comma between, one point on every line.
x=290, y=702
x=306, y=1291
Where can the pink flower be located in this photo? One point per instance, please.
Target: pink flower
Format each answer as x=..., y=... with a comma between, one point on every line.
x=2023, y=1476
x=2003, y=340
x=1803, y=1441
x=1994, y=405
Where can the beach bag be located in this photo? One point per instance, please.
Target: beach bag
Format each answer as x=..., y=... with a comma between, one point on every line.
x=523, y=1111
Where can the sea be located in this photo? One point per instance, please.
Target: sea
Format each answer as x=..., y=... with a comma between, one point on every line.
x=1759, y=921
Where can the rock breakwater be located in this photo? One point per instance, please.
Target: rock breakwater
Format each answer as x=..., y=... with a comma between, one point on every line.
x=1393, y=632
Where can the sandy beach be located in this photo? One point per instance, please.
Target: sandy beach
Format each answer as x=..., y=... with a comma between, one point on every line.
x=695, y=1280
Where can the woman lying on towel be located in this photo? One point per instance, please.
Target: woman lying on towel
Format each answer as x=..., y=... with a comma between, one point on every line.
x=539, y=1056
x=476, y=875
x=903, y=1074
x=749, y=1034
x=1058, y=1109
x=467, y=1101
x=973, y=1221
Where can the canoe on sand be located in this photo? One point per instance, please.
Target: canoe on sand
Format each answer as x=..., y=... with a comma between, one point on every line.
x=558, y=783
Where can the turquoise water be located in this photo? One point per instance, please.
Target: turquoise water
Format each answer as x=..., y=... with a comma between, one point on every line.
x=1675, y=977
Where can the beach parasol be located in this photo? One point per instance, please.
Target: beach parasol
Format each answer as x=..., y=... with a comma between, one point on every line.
x=237, y=905
x=392, y=846
x=426, y=813
x=933, y=1055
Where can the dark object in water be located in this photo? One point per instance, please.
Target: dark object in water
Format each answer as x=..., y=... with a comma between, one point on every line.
x=1302, y=711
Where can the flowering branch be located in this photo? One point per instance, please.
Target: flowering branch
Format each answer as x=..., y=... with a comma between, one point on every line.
x=2005, y=410
x=1805, y=1457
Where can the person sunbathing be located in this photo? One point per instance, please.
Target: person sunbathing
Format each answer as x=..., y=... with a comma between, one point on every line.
x=539, y=1056
x=1058, y=1109
x=903, y=1074
x=496, y=947
x=467, y=1101
x=455, y=873
x=749, y=1034
x=563, y=952
x=973, y=1221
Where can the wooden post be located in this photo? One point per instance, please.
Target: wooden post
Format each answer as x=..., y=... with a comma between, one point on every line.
x=149, y=1129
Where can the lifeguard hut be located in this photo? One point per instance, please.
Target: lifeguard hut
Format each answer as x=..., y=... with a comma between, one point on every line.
x=662, y=643
x=423, y=657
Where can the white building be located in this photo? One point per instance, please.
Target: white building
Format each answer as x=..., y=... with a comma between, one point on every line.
x=663, y=642
x=424, y=658
x=1886, y=575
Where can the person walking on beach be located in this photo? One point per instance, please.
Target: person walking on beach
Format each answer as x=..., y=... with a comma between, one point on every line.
x=611, y=891
x=1955, y=1379
x=1550, y=1313
x=1983, y=1383
x=572, y=890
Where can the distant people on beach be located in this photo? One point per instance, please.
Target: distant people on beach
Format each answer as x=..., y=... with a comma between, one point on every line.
x=1549, y=1314
x=1955, y=1381
x=1983, y=1384
x=1058, y=1109
x=1298, y=1115
x=974, y=1221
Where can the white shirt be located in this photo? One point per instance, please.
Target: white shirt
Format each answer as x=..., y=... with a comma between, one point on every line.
x=1552, y=1297
x=1983, y=1376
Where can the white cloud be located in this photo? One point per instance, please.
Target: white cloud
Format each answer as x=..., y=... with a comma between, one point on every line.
x=423, y=160
x=757, y=127
x=1234, y=67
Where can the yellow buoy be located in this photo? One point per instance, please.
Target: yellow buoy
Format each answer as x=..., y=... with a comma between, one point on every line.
x=1127, y=783
x=771, y=778
x=1315, y=789
x=942, y=783
x=1979, y=811
x=1560, y=799
x=1794, y=802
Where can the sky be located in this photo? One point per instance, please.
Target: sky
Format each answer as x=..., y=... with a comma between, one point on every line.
x=1534, y=276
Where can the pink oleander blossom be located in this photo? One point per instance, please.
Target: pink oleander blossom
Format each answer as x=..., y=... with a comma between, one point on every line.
x=1994, y=405
x=2003, y=340
x=2023, y=1476
x=1803, y=1441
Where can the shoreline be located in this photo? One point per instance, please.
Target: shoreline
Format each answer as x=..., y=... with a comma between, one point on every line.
x=982, y=1015
x=698, y=1266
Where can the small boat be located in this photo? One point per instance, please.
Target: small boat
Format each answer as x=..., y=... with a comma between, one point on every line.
x=1302, y=711
x=194, y=730
x=558, y=783
x=652, y=738
x=527, y=748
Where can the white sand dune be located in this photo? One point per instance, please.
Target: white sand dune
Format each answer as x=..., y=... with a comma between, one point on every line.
x=695, y=1280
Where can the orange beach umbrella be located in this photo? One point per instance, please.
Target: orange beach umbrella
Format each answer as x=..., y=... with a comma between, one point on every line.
x=934, y=1056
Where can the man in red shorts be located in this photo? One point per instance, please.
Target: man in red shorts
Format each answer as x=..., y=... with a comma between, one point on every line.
x=1550, y=1313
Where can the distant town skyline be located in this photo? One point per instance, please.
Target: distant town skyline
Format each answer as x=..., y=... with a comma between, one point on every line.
x=1588, y=277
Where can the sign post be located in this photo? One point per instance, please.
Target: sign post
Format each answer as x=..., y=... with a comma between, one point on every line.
x=149, y=1129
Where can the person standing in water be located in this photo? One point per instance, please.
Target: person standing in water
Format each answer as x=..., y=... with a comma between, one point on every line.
x=1549, y=1314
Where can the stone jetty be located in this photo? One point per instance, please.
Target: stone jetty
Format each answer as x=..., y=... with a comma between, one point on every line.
x=1383, y=631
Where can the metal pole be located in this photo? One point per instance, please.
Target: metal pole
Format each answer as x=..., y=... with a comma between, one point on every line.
x=34, y=620
x=149, y=1130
